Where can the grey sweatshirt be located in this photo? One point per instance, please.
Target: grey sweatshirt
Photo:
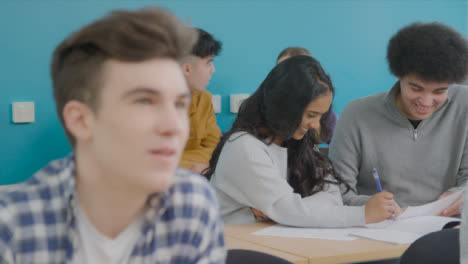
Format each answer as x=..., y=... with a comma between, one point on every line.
x=416, y=165
x=464, y=232
x=252, y=174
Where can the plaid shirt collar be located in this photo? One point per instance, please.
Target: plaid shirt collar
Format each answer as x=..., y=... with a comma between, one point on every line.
x=37, y=220
x=155, y=205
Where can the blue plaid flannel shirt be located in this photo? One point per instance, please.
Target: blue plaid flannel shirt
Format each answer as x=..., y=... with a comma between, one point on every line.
x=37, y=222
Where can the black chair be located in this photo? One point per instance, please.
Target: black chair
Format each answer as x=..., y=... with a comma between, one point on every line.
x=434, y=248
x=243, y=256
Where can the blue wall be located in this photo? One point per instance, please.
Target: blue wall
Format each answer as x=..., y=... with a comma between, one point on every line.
x=349, y=37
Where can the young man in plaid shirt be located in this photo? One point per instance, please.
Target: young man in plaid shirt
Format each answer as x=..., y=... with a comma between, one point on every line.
x=122, y=98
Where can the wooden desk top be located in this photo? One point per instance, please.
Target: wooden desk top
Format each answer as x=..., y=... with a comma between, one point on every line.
x=318, y=250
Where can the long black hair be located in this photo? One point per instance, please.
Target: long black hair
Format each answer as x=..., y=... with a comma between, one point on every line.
x=275, y=111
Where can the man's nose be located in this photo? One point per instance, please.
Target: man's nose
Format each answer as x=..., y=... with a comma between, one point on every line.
x=171, y=122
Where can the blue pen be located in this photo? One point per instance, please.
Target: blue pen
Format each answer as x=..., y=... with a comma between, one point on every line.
x=377, y=180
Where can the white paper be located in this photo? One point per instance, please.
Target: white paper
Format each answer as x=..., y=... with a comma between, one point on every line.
x=404, y=231
x=434, y=208
x=390, y=236
x=422, y=224
x=415, y=222
x=301, y=232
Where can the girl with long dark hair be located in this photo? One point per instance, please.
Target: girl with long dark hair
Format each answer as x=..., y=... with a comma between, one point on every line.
x=269, y=160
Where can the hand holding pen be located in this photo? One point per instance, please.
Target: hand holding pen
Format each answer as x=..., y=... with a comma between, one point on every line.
x=381, y=206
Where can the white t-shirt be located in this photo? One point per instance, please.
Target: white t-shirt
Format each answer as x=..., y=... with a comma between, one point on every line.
x=93, y=247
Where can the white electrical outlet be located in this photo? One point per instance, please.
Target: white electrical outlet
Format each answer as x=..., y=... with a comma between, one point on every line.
x=216, y=100
x=236, y=100
x=23, y=112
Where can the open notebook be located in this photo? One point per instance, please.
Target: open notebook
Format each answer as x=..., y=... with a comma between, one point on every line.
x=414, y=223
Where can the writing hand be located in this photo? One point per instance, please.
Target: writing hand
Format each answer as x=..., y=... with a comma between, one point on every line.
x=381, y=206
x=397, y=211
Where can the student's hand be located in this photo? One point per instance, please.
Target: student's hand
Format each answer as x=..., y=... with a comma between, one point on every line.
x=397, y=211
x=402, y=210
x=381, y=206
x=259, y=214
x=198, y=167
x=455, y=207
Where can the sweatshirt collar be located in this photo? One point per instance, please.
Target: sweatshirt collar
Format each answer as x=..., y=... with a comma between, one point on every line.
x=391, y=95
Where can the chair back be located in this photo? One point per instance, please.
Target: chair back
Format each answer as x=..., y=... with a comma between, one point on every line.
x=243, y=256
x=434, y=248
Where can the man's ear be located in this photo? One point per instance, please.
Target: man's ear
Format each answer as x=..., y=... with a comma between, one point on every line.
x=186, y=68
x=78, y=118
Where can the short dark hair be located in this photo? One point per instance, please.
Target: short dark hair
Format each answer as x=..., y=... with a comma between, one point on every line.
x=433, y=51
x=206, y=45
x=130, y=36
x=293, y=51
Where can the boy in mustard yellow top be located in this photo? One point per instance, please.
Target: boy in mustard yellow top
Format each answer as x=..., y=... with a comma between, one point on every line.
x=204, y=133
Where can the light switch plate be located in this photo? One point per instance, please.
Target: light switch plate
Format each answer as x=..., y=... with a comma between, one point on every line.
x=236, y=100
x=216, y=100
x=23, y=112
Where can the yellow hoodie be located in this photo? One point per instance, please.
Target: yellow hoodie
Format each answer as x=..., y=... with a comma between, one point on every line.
x=204, y=133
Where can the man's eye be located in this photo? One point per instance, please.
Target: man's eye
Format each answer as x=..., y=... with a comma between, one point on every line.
x=143, y=101
x=181, y=104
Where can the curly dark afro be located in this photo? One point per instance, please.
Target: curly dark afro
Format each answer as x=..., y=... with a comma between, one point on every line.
x=433, y=51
